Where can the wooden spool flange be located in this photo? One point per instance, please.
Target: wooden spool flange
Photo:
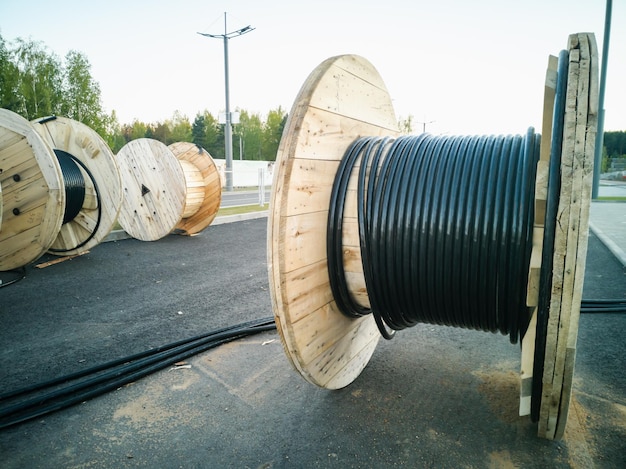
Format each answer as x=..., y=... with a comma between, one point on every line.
x=33, y=195
x=154, y=189
x=204, y=187
x=570, y=242
x=344, y=98
x=103, y=187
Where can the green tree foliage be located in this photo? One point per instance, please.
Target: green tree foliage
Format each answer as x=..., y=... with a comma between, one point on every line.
x=205, y=131
x=135, y=130
x=9, y=84
x=198, y=131
x=179, y=129
x=615, y=144
x=406, y=125
x=39, y=80
x=36, y=83
x=81, y=94
x=250, y=128
x=272, y=132
x=114, y=135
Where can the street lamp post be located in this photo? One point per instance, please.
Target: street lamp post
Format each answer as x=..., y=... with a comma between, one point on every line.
x=228, y=128
x=600, y=132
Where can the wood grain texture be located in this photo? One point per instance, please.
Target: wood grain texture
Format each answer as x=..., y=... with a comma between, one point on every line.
x=570, y=246
x=154, y=189
x=33, y=194
x=343, y=98
x=204, y=187
x=103, y=185
x=534, y=273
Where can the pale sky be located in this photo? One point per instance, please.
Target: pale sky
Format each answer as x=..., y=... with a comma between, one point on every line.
x=463, y=67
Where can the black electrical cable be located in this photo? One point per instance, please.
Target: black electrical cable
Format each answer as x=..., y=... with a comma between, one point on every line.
x=124, y=360
x=445, y=225
x=75, y=190
x=74, y=198
x=603, y=306
x=117, y=373
x=17, y=274
x=74, y=182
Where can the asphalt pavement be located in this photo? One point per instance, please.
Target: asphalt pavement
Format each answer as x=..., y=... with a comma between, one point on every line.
x=434, y=397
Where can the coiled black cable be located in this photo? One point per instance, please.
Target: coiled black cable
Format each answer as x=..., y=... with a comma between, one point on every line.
x=445, y=226
x=74, y=185
x=75, y=194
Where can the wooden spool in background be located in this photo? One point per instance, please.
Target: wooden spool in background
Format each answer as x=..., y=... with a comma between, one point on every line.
x=343, y=99
x=33, y=195
x=204, y=187
x=98, y=210
x=154, y=189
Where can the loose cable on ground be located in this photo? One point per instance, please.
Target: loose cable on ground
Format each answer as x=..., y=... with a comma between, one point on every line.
x=109, y=376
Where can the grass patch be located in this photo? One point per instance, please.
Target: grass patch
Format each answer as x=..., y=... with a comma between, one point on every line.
x=241, y=209
x=614, y=198
x=224, y=211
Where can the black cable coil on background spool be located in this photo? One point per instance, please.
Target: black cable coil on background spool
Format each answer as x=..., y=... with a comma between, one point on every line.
x=74, y=183
x=445, y=226
x=75, y=191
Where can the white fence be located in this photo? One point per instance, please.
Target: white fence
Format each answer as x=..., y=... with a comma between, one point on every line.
x=247, y=173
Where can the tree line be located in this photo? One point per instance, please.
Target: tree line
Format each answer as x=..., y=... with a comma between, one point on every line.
x=36, y=83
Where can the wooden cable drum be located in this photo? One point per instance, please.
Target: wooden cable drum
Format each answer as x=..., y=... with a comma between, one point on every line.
x=92, y=183
x=204, y=187
x=351, y=199
x=154, y=188
x=33, y=196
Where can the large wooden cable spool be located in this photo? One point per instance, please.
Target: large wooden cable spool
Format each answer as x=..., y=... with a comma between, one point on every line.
x=343, y=99
x=204, y=187
x=92, y=183
x=154, y=188
x=33, y=195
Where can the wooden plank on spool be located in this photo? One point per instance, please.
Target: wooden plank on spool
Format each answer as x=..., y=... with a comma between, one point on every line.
x=195, y=188
x=587, y=142
x=33, y=194
x=59, y=260
x=342, y=99
x=154, y=189
x=534, y=273
x=102, y=180
x=571, y=236
x=547, y=420
x=584, y=151
x=204, y=187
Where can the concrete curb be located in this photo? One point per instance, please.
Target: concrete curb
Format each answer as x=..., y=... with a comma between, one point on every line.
x=609, y=243
x=118, y=235
x=239, y=217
